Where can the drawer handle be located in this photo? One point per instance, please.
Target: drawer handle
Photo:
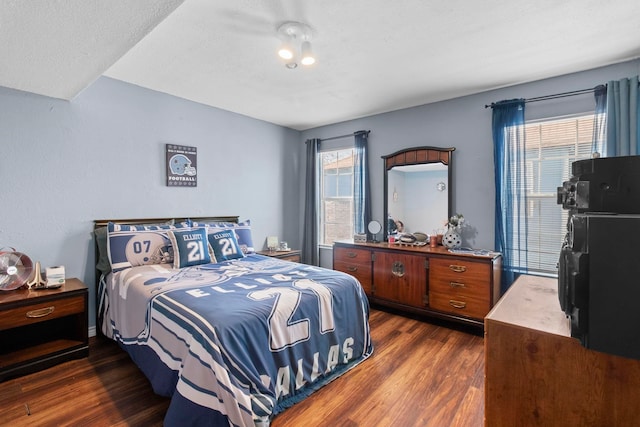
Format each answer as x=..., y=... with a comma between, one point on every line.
x=41, y=312
x=456, y=284
x=457, y=304
x=352, y=269
x=397, y=269
x=458, y=268
x=352, y=254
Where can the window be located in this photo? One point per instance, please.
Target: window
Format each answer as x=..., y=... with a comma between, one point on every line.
x=336, y=195
x=550, y=148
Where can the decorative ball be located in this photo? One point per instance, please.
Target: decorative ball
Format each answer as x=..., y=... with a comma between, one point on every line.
x=451, y=240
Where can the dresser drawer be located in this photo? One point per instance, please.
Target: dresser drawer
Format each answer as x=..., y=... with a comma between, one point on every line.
x=360, y=271
x=459, y=274
x=460, y=304
x=352, y=256
x=40, y=312
x=356, y=262
x=456, y=268
x=460, y=286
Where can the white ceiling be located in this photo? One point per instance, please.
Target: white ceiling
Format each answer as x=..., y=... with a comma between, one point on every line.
x=374, y=56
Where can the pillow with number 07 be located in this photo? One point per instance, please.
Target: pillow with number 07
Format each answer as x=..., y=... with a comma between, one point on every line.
x=224, y=244
x=190, y=247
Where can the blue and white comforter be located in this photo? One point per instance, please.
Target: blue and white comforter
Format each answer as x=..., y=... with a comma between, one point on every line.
x=237, y=342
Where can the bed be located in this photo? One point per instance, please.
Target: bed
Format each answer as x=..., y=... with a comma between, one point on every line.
x=231, y=336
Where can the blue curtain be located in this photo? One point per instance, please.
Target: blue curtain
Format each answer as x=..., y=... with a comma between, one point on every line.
x=599, y=120
x=361, y=184
x=310, y=254
x=510, y=174
x=622, y=118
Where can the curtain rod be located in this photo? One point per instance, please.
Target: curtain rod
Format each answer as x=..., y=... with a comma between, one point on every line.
x=554, y=96
x=345, y=136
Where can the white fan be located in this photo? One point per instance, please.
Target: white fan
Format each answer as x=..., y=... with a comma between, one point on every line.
x=15, y=270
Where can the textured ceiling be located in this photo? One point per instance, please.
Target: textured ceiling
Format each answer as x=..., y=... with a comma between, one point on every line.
x=373, y=55
x=59, y=47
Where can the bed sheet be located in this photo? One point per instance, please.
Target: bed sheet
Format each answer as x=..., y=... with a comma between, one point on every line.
x=237, y=342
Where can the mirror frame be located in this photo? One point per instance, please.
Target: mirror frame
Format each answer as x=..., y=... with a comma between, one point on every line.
x=418, y=156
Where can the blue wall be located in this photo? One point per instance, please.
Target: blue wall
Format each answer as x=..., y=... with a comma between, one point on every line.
x=64, y=164
x=465, y=124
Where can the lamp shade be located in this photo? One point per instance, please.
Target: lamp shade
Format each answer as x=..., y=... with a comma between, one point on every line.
x=286, y=50
x=307, y=54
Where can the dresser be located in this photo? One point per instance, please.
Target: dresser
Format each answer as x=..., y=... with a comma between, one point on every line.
x=536, y=374
x=423, y=280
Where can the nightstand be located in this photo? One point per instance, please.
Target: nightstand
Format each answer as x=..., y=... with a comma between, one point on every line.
x=41, y=328
x=290, y=255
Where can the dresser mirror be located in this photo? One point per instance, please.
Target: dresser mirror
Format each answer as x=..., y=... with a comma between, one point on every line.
x=418, y=188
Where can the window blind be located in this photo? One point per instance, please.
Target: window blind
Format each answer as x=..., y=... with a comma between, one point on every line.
x=550, y=148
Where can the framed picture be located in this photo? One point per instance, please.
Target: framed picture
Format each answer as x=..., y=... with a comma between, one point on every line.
x=182, y=165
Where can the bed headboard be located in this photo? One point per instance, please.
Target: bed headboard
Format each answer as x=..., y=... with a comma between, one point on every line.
x=103, y=222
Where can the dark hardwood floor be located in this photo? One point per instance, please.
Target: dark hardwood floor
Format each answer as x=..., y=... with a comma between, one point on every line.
x=421, y=374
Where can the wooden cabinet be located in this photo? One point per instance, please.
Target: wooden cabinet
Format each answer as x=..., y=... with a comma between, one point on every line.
x=41, y=328
x=290, y=255
x=424, y=280
x=404, y=278
x=536, y=374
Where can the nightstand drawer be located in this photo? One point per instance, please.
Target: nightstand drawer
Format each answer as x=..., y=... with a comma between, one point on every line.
x=42, y=328
x=291, y=257
x=41, y=312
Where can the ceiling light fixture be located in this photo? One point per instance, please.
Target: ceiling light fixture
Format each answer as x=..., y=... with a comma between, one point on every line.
x=295, y=44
